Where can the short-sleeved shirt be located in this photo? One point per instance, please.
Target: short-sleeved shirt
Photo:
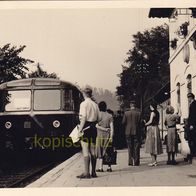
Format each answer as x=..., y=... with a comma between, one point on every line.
x=105, y=119
x=89, y=110
x=171, y=119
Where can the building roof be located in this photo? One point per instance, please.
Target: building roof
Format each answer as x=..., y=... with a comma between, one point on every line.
x=193, y=12
x=160, y=12
x=166, y=12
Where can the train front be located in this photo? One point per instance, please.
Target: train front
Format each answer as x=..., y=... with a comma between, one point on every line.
x=38, y=114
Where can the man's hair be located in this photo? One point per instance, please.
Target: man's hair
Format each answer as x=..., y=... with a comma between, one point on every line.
x=191, y=95
x=88, y=91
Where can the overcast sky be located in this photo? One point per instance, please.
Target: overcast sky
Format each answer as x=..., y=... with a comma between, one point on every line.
x=83, y=46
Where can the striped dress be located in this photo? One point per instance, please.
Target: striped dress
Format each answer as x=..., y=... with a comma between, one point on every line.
x=153, y=144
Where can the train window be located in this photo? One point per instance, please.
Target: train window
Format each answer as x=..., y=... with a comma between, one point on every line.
x=17, y=100
x=77, y=100
x=1, y=101
x=47, y=100
x=68, y=100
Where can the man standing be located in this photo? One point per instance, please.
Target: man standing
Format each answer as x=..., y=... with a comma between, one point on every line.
x=131, y=119
x=192, y=124
x=89, y=115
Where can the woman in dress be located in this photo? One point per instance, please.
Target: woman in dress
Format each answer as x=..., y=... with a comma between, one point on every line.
x=170, y=122
x=105, y=132
x=153, y=143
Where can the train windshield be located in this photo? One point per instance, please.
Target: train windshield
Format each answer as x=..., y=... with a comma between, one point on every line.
x=47, y=99
x=16, y=100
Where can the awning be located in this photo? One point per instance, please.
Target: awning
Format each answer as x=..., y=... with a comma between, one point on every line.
x=163, y=94
x=160, y=96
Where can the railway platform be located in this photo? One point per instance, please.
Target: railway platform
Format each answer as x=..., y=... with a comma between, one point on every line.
x=64, y=175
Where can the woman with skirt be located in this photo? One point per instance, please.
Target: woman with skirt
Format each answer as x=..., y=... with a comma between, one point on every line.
x=172, y=143
x=153, y=143
x=105, y=132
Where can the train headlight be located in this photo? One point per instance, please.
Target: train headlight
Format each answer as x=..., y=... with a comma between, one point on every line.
x=56, y=124
x=8, y=125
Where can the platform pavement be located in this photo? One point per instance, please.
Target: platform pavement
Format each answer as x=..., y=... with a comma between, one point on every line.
x=64, y=175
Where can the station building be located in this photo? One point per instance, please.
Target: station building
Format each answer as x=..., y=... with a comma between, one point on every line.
x=182, y=38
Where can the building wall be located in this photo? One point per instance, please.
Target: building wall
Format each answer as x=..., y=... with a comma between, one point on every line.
x=179, y=69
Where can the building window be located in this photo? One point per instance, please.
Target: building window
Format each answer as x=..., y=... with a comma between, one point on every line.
x=189, y=85
x=178, y=93
x=178, y=99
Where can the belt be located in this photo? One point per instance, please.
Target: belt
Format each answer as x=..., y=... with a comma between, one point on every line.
x=173, y=126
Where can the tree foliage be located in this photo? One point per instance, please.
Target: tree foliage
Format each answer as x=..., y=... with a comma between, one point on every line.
x=147, y=68
x=109, y=97
x=40, y=73
x=12, y=65
x=100, y=94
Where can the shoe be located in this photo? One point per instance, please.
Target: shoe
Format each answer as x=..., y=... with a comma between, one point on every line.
x=99, y=170
x=169, y=163
x=190, y=161
x=109, y=170
x=174, y=162
x=152, y=164
x=94, y=175
x=84, y=176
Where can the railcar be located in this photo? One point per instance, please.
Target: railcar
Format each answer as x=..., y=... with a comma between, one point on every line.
x=38, y=113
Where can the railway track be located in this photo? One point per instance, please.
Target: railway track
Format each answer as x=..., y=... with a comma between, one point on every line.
x=25, y=172
x=24, y=176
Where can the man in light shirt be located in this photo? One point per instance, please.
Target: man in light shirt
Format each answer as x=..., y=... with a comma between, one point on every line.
x=89, y=116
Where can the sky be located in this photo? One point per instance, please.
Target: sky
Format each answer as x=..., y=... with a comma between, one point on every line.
x=85, y=46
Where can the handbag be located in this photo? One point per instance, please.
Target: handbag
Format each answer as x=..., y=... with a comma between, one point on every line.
x=165, y=140
x=110, y=156
x=178, y=138
x=76, y=135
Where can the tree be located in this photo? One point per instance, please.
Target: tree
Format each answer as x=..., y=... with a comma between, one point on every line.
x=100, y=94
x=12, y=66
x=147, y=67
x=40, y=73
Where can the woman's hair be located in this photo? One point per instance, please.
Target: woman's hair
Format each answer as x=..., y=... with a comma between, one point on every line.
x=110, y=112
x=102, y=106
x=154, y=105
x=169, y=110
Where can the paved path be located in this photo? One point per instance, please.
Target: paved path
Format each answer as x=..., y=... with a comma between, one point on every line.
x=123, y=175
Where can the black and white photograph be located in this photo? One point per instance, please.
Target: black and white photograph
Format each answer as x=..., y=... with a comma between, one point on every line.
x=97, y=94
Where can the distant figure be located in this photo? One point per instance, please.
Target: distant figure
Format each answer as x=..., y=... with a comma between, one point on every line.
x=89, y=116
x=153, y=143
x=172, y=140
x=192, y=125
x=105, y=132
x=119, y=140
x=131, y=119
